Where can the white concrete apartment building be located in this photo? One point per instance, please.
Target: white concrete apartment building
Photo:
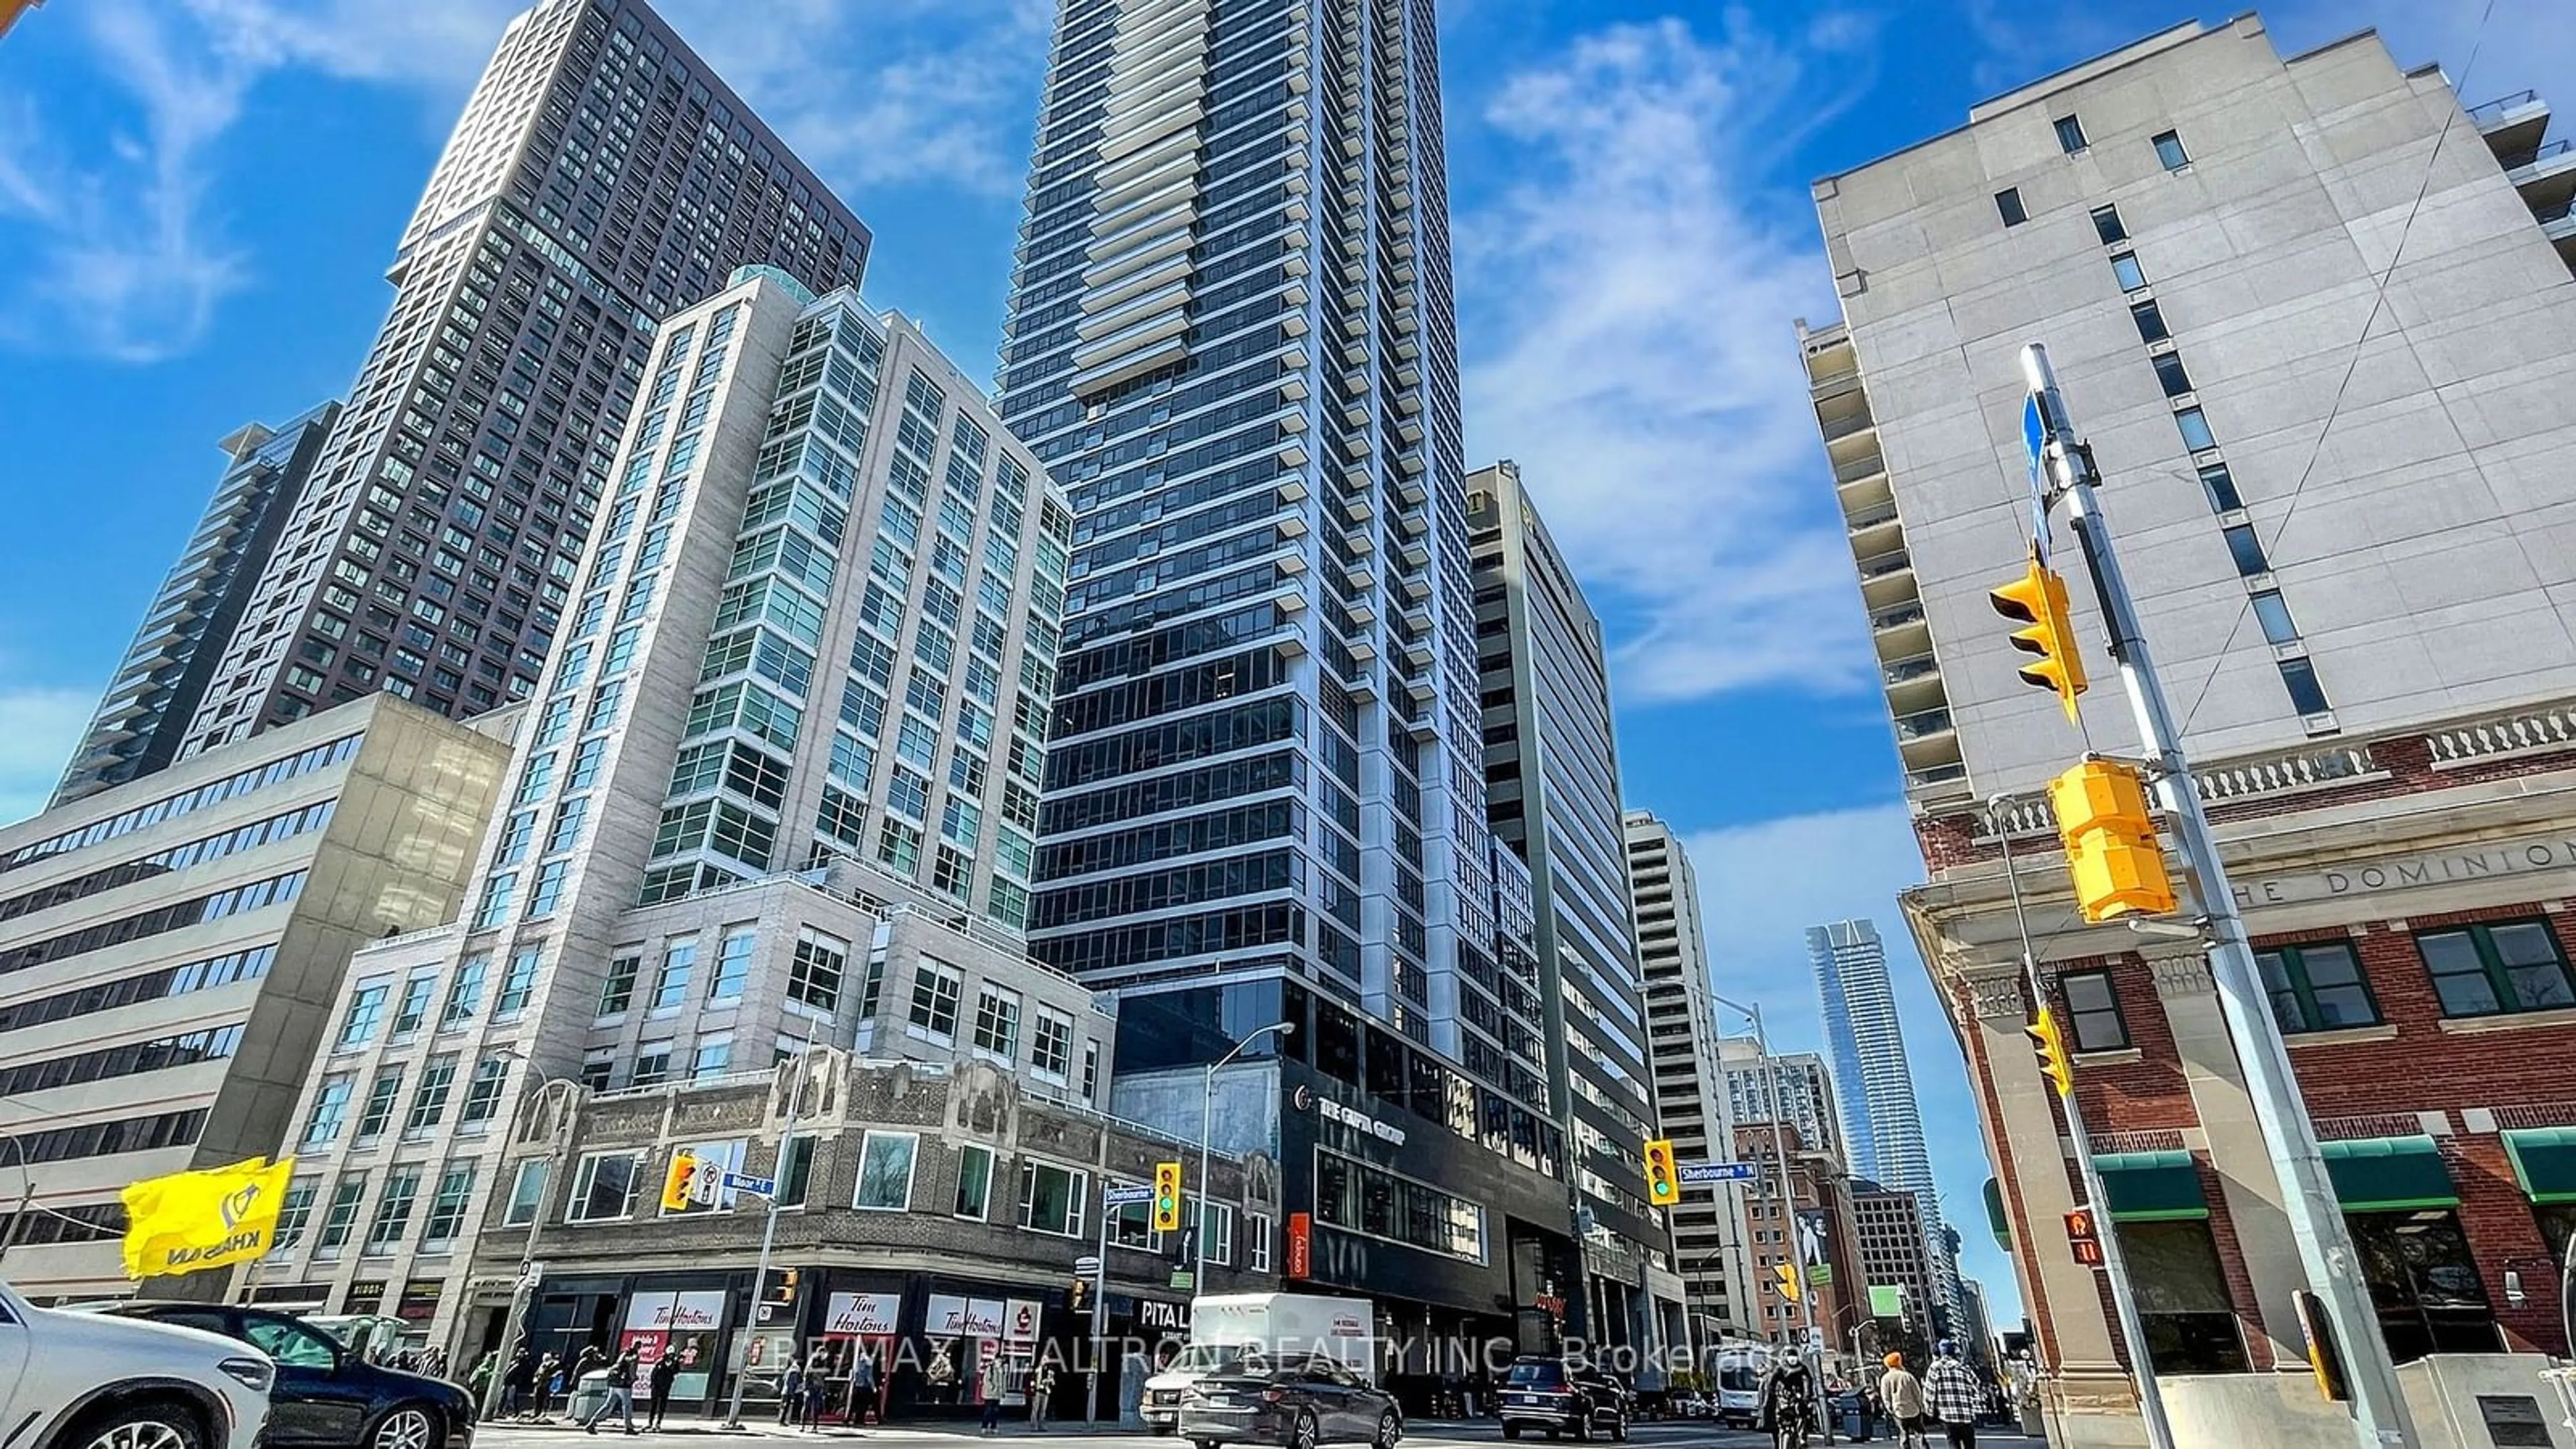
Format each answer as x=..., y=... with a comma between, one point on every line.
x=1692, y=1104
x=815, y=637
x=169, y=947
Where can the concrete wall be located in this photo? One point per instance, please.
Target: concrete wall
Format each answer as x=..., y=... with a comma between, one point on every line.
x=2285, y=1411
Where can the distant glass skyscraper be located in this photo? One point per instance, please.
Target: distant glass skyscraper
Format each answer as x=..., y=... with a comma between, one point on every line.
x=1231, y=339
x=148, y=705
x=601, y=178
x=1865, y=1038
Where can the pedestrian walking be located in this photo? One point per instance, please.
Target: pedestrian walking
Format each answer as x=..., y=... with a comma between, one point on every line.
x=791, y=1393
x=666, y=1367
x=621, y=1393
x=1041, y=1394
x=818, y=1396
x=863, y=1388
x=1954, y=1394
x=518, y=1378
x=1902, y=1395
x=990, y=1387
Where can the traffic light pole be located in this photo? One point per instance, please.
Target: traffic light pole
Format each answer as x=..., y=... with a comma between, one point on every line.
x=1788, y=1204
x=2115, y=1264
x=769, y=1233
x=2308, y=1200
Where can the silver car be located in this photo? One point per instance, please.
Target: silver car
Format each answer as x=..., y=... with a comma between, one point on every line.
x=88, y=1381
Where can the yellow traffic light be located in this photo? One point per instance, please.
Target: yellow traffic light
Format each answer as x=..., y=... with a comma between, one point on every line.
x=2038, y=600
x=2117, y=867
x=2050, y=1045
x=1788, y=1273
x=679, y=1185
x=1167, y=1197
x=1663, y=1186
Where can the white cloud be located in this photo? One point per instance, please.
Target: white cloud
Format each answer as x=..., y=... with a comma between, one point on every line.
x=38, y=728
x=1628, y=304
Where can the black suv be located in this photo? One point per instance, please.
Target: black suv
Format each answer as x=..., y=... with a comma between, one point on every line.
x=1560, y=1398
x=327, y=1397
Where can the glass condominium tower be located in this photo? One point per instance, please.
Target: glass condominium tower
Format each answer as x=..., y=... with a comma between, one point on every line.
x=601, y=178
x=1231, y=340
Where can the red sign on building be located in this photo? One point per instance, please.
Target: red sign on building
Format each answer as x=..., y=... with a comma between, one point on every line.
x=1301, y=1245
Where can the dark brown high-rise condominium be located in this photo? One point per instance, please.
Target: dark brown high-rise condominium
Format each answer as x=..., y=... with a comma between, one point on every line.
x=602, y=177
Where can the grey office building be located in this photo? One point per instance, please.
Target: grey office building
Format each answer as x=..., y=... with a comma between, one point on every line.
x=154, y=695
x=1231, y=339
x=1552, y=794
x=601, y=178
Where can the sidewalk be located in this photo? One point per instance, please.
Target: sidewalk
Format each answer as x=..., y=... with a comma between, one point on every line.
x=766, y=1426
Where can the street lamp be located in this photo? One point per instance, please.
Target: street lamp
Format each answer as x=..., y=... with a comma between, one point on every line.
x=524, y=1292
x=1207, y=1131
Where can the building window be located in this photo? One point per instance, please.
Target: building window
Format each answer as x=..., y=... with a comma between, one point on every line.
x=652, y=1064
x=2220, y=485
x=672, y=987
x=527, y=1187
x=2195, y=430
x=2106, y=225
x=2008, y=205
x=447, y=1208
x=2274, y=615
x=429, y=1100
x=885, y=1171
x=483, y=1094
x=604, y=1187
x=2169, y=151
x=330, y=1108
x=2189, y=1319
x=2307, y=696
x=2424, y=1283
x=2169, y=370
x=733, y=965
x=1256, y=1242
x=815, y=977
x=935, y=993
x=2093, y=1020
x=2499, y=969
x=2247, y=550
x=974, y=1181
x=598, y=1065
x=517, y=984
x=1051, y=1198
x=366, y=1010
x=713, y=1058
x=2150, y=320
x=997, y=1023
x=393, y=1211
x=1216, y=1230
x=618, y=992
x=2131, y=276
x=2070, y=135
x=378, y=1114
x=2316, y=987
x=466, y=996
x=795, y=1170
x=342, y=1216
x=293, y=1212
x=418, y=992
x=1051, y=1050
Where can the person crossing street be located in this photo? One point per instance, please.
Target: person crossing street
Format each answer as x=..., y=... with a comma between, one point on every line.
x=1901, y=1393
x=1955, y=1395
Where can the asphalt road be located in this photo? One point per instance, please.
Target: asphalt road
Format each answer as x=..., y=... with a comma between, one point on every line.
x=694, y=1434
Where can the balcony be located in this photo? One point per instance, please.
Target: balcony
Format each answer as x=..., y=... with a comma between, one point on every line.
x=2545, y=176
x=1844, y=415
x=2558, y=223
x=1924, y=725
x=1886, y=577
x=1913, y=683
x=2513, y=124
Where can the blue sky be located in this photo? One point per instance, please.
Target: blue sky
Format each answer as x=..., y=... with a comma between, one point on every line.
x=198, y=199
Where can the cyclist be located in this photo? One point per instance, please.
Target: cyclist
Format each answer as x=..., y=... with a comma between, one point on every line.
x=1787, y=1398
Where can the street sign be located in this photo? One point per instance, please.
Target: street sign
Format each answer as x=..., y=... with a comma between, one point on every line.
x=1695, y=1173
x=2034, y=438
x=1125, y=1196
x=1183, y=1279
x=1087, y=1265
x=745, y=1182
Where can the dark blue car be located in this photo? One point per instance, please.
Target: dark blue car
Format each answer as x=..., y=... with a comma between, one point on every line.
x=327, y=1397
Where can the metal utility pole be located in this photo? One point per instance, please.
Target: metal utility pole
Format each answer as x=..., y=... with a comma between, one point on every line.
x=524, y=1292
x=1770, y=1066
x=2280, y=1112
x=769, y=1227
x=2115, y=1264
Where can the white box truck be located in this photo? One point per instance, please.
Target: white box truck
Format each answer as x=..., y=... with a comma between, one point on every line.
x=1279, y=1325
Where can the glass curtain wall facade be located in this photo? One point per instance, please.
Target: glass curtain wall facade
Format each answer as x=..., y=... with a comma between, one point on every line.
x=149, y=704
x=601, y=178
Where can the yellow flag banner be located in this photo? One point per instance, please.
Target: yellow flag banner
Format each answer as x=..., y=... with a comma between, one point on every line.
x=191, y=1221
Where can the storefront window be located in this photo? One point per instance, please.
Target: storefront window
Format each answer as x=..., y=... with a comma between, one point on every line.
x=2424, y=1283
x=2557, y=1225
x=2182, y=1298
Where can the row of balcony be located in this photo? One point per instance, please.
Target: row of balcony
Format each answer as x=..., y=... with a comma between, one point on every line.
x=2543, y=171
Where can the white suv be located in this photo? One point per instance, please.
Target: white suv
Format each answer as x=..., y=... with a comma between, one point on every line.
x=90, y=1381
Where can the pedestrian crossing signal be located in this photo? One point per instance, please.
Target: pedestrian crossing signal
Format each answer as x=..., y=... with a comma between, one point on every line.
x=1167, y=1197
x=1663, y=1187
x=679, y=1185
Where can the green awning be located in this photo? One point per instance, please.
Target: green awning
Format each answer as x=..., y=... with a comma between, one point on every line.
x=2544, y=1159
x=1995, y=1215
x=2390, y=1174
x=2151, y=1187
